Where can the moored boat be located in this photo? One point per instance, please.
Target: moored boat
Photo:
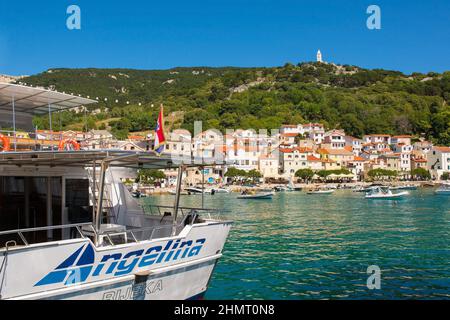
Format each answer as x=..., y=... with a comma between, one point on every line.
x=444, y=189
x=384, y=193
x=320, y=191
x=404, y=187
x=71, y=229
x=193, y=190
x=258, y=195
x=98, y=242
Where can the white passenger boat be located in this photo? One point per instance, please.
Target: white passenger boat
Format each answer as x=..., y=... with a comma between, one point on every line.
x=384, y=193
x=444, y=189
x=69, y=229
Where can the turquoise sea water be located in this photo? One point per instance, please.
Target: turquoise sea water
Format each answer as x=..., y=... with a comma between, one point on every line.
x=299, y=246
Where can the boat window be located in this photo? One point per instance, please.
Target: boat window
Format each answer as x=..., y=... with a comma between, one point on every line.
x=77, y=201
x=30, y=202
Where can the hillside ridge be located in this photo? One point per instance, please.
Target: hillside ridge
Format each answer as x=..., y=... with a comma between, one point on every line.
x=355, y=99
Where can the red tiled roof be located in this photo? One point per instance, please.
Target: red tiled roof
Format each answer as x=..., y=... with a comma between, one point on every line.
x=136, y=137
x=334, y=151
x=299, y=149
x=312, y=158
x=443, y=149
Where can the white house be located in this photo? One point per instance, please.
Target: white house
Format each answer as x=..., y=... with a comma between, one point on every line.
x=438, y=161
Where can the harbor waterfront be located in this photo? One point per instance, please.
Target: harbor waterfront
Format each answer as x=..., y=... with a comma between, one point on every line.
x=297, y=246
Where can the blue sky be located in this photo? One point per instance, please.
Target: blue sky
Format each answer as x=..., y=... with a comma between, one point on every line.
x=148, y=34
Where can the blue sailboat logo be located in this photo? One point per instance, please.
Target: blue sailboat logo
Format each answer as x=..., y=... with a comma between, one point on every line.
x=72, y=270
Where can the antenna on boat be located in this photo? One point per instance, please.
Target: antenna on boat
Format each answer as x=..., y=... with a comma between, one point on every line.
x=181, y=168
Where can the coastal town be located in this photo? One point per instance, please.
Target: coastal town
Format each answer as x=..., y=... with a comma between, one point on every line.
x=297, y=152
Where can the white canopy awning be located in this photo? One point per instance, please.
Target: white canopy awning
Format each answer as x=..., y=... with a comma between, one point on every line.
x=36, y=101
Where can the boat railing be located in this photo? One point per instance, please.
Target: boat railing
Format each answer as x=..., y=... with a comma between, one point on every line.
x=211, y=214
x=20, y=234
x=150, y=233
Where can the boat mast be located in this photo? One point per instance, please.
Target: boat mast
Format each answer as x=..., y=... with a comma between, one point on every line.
x=98, y=220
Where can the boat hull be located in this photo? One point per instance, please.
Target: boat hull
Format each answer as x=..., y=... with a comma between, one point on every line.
x=321, y=192
x=257, y=196
x=443, y=192
x=184, y=283
x=174, y=268
x=387, y=197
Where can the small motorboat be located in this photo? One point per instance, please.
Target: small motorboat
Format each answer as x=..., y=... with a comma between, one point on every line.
x=174, y=192
x=280, y=188
x=193, y=190
x=138, y=194
x=444, y=189
x=259, y=195
x=291, y=186
x=213, y=191
x=384, y=193
x=320, y=191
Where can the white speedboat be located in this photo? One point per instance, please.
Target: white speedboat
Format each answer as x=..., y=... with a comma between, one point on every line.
x=193, y=190
x=444, y=189
x=216, y=190
x=280, y=188
x=320, y=191
x=221, y=190
x=174, y=192
x=384, y=193
x=260, y=195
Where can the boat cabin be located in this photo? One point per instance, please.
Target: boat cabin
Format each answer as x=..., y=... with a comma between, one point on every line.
x=51, y=196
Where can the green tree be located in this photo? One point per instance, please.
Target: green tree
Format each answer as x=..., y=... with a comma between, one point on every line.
x=254, y=175
x=382, y=173
x=234, y=173
x=304, y=174
x=421, y=174
x=150, y=175
x=445, y=176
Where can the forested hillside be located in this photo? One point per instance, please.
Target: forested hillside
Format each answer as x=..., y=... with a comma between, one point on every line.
x=358, y=100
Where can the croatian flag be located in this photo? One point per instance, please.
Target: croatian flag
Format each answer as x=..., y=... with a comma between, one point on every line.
x=160, y=140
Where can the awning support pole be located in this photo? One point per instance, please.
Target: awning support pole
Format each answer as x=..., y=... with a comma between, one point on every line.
x=94, y=187
x=14, y=122
x=203, y=187
x=50, y=117
x=181, y=168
